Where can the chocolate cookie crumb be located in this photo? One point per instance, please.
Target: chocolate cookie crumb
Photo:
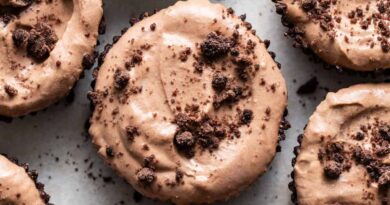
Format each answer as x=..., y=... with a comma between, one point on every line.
x=184, y=140
x=146, y=176
x=153, y=26
x=247, y=116
x=20, y=37
x=121, y=79
x=110, y=152
x=215, y=46
x=309, y=87
x=11, y=91
x=333, y=170
x=219, y=82
x=384, y=181
x=41, y=41
x=131, y=132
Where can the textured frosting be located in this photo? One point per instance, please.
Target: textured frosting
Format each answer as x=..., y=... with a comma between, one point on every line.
x=28, y=85
x=351, y=118
x=16, y=186
x=349, y=33
x=137, y=97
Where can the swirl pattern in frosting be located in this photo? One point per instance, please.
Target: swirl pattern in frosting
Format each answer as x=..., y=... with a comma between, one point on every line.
x=188, y=104
x=43, y=46
x=344, y=156
x=17, y=187
x=346, y=33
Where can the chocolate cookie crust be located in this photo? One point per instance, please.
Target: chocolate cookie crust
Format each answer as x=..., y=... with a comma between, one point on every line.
x=345, y=34
x=192, y=128
x=344, y=151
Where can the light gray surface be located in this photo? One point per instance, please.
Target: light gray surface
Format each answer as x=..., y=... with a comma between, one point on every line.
x=59, y=131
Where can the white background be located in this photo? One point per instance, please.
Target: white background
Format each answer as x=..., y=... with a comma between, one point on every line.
x=59, y=131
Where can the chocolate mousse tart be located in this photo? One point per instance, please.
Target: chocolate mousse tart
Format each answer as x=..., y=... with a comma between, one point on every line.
x=351, y=34
x=44, y=47
x=188, y=104
x=344, y=154
x=18, y=184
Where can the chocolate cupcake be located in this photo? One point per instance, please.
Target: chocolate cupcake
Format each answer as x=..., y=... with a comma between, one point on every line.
x=188, y=104
x=18, y=184
x=344, y=33
x=345, y=149
x=44, y=47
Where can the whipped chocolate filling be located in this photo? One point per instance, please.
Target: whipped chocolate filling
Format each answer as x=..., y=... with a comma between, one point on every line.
x=44, y=46
x=18, y=185
x=345, y=33
x=344, y=157
x=188, y=104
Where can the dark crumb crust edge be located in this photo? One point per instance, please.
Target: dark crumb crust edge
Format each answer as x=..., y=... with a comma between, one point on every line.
x=291, y=184
x=284, y=124
x=297, y=37
x=88, y=66
x=34, y=176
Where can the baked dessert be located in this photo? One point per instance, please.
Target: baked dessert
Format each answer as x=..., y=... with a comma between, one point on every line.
x=350, y=34
x=344, y=156
x=44, y=46
x=18, y=184
x=188, y=104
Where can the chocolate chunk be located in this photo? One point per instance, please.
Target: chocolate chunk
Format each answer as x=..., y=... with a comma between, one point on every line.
x=11, y=91
x=146, y=176
x=384, y=181
x=121, y=79
x=219, y=82
x=247, y=116
x=333, y=170
x=309, y=87
x=20, y=37
x=184, y=140
x=215, y=46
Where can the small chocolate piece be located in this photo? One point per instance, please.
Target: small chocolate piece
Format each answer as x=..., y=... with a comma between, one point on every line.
x=146, y=176
x=153, y=26
x=121, y=79
x=247, y=116
x=20, y=37
x=384, y=181
x=215, y=46
x=219, y=82
x=11, y=91
x=131, y=133
x=385, y=133
x=309, y=87
x=41, y=41
x=184, y=140
x=359, y=136
x=333, y=170
x=38, y=49
x=110, y=152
